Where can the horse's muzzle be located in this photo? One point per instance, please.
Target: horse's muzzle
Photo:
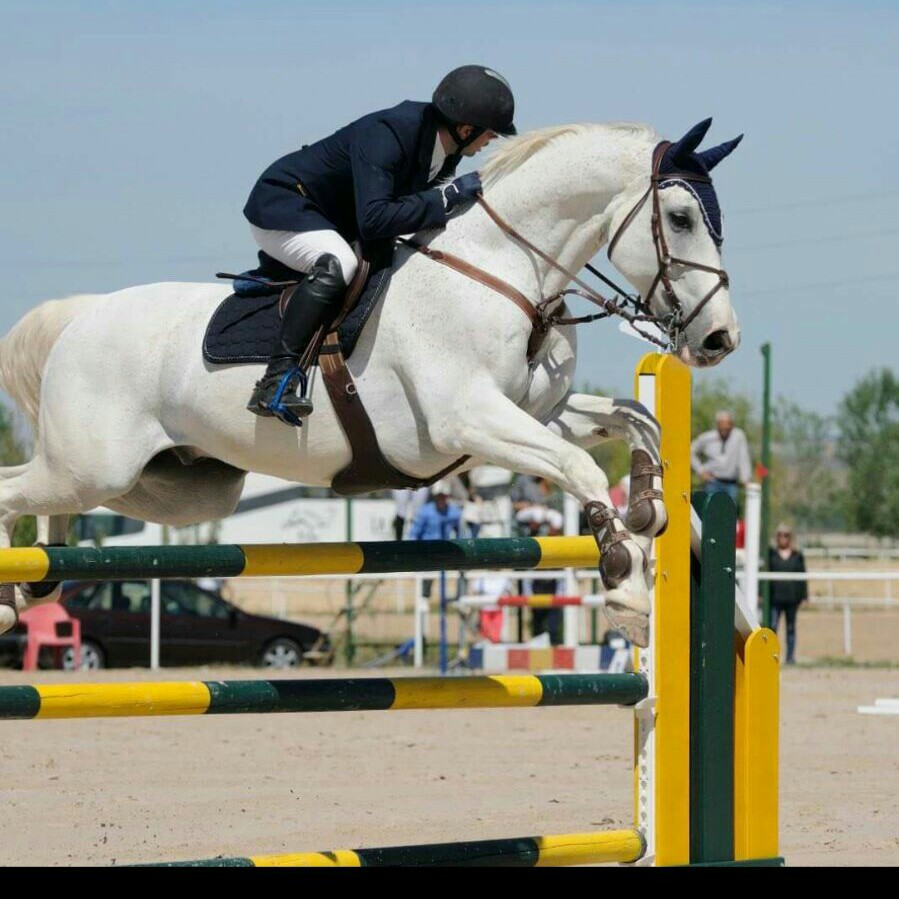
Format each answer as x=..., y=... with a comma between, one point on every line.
x=715, y=347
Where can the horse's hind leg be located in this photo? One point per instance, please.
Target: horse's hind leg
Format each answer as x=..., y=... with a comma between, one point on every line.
x=42, y=489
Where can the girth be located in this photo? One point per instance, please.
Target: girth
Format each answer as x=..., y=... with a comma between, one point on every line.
x=368, y=470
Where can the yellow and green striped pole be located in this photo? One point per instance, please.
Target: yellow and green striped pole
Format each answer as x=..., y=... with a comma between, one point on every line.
x=36, y=564
x=518, y=852
x=320, y=695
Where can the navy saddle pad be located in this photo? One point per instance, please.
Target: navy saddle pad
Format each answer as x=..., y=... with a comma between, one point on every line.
x=244, y=329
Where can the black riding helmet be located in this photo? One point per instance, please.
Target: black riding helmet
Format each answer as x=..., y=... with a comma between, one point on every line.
x=475, y=95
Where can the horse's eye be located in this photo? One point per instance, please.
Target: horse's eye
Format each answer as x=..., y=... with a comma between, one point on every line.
x=679, y=221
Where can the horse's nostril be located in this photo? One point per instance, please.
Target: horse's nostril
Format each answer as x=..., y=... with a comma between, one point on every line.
x=718, y=342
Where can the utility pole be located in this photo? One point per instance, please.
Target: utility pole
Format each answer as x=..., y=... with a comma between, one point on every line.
x=766, y=479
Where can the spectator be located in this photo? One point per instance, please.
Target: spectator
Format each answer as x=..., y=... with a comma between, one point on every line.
x=486, y=514
x=537, y=520
x=472, y=514
x=406, y=506
x=532, y=499
x=527, y=491
x=457, y=489
x=721, y=457
x=438, y=519
x=786, y=596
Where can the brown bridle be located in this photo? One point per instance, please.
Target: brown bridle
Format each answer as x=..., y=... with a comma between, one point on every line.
x=673, y=324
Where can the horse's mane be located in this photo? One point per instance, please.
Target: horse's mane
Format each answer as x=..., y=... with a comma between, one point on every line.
x=518, y=150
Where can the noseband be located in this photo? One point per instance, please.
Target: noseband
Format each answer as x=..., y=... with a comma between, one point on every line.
x=674, y=324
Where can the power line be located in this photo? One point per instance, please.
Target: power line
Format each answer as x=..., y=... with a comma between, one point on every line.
x=829, y=201
x=141, y=260
x=819, y=285
x=831, y=238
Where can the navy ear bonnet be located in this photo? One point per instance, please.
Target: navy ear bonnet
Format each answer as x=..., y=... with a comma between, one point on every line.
x=681, y=157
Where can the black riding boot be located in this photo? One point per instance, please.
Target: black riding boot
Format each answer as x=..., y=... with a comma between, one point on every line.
x=314, y=304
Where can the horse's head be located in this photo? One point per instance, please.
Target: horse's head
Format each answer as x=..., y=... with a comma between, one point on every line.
x=666, y=240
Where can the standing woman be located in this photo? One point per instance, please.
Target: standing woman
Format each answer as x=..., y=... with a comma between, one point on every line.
x=786, y=596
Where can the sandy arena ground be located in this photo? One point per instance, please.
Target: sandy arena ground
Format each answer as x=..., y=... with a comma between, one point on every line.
x=101, y=792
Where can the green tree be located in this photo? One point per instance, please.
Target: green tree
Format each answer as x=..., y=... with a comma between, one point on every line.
x=808, y=484
x=869, y=445
x=13, y=451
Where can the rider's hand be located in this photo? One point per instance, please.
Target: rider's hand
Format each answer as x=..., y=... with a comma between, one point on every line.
x=461, y=190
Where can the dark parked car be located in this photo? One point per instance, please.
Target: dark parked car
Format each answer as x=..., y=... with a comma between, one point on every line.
x=197, y=626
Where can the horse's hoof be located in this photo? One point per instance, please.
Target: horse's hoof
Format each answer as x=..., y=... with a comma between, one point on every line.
x=633, y=626
x=9, y=614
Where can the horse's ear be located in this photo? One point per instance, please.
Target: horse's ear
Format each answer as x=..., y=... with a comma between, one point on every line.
x=710, y=158
x=690, y=141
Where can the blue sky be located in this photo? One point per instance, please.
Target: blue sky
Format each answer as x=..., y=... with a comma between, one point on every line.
x=133, y=131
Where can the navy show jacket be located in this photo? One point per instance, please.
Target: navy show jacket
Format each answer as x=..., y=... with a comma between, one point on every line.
x=369, y=180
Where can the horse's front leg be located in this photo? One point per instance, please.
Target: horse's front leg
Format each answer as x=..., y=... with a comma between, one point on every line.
x=586, y=420
x=487, y=425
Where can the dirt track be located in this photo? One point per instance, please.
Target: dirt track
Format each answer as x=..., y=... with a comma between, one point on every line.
x=100, y=792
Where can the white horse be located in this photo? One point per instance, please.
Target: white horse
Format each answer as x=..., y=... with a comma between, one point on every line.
x=128, y=415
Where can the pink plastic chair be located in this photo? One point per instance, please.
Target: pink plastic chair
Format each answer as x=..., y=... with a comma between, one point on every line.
x=50, y=625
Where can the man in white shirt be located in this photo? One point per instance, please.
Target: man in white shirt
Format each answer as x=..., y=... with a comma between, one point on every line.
x=721, y=457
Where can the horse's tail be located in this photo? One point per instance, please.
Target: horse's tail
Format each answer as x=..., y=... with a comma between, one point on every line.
x=24, y=351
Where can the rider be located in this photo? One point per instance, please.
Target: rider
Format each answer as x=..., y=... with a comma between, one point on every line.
x=378, y=178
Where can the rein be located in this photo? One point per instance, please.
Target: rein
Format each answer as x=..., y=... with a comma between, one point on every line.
x=542, y=320
x=631, y=307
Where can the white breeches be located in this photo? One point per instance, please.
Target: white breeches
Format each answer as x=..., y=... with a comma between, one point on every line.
x=300, y=250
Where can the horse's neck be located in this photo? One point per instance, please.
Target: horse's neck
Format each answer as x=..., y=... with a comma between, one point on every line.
x=561, y=199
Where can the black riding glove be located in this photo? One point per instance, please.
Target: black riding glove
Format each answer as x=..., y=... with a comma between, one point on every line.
x=461, y=190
